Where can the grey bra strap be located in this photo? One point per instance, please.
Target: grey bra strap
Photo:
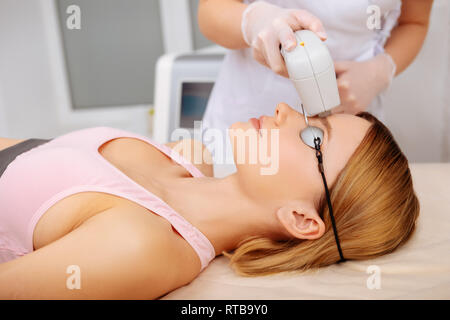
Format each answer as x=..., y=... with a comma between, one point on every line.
x=9, y=154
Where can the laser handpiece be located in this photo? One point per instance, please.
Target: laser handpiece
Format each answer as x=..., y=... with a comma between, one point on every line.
x=311, y=69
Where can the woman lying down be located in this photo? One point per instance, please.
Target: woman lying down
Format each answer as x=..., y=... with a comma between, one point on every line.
x=104, y=213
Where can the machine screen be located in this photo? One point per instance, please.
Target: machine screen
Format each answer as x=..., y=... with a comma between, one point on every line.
x=194, y=98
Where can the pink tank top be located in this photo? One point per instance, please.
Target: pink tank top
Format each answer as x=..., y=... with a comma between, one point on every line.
x=69, y=164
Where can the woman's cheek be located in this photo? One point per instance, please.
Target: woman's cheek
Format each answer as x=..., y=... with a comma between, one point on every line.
x=289, y=156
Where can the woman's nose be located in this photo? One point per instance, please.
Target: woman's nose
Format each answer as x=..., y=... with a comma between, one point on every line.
x=281, y=113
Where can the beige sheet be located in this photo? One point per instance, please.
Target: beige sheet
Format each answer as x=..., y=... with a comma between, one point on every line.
x=419, y=270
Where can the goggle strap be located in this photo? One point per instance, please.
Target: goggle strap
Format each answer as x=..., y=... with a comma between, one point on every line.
x=327, y=193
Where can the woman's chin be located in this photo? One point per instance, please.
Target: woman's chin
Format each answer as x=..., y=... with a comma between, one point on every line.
x=236, y=125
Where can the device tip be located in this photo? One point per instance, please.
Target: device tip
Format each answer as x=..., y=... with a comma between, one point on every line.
x=324, y=114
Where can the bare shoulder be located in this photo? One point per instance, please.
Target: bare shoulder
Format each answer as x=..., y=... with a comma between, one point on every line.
x=124, y=252
x=165, y=259
x=196, y=152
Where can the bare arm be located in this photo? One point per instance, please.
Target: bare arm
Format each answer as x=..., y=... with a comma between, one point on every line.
x=120, y=255
x=220, y=22
x=408, y=36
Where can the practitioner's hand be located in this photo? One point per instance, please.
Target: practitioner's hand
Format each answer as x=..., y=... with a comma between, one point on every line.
x=265, y=26
x=360, y=82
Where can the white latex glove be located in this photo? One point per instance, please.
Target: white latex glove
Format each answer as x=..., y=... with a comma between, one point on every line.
x=265, y=26
x=360, y=82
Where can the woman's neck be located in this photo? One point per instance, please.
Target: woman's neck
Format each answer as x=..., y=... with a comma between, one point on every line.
x=221, y=211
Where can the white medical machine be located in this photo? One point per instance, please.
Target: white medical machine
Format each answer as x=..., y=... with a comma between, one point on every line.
x=311, y=69
x=183, y=84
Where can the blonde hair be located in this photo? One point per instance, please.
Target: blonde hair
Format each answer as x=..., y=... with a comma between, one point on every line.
x=374, y=205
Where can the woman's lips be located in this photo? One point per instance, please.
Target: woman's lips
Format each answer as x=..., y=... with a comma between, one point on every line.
x=260, y=121
x=256, y=123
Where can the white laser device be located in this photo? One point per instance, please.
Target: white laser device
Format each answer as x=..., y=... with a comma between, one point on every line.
x=311, y=69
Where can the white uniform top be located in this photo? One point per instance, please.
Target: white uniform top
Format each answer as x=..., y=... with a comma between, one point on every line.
x=244, y=88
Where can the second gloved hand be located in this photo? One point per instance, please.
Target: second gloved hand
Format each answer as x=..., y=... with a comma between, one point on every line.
x=360, y=82
x=265, y=26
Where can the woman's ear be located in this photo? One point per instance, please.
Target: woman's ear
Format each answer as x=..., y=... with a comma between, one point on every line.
x=301, y=220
